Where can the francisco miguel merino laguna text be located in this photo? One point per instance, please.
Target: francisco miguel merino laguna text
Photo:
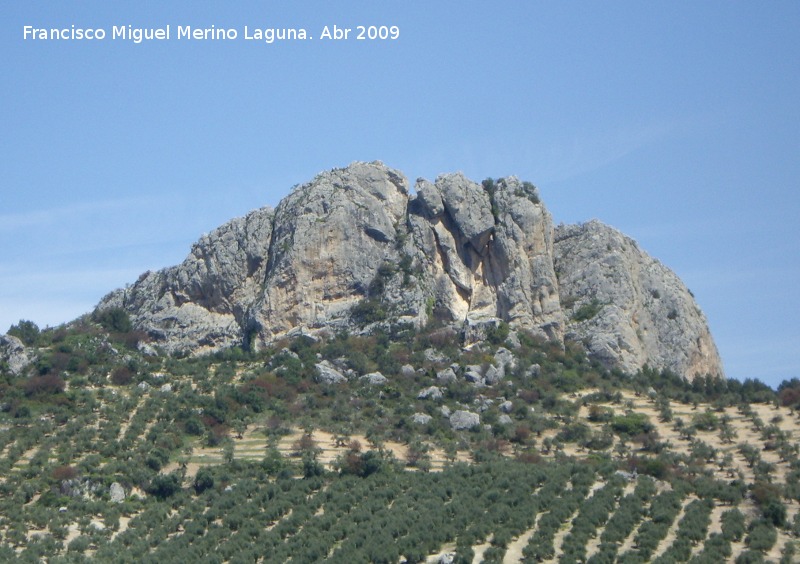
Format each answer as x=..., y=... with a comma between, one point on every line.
x=138, y=34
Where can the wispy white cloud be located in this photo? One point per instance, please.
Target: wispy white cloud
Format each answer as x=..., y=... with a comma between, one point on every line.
x=53, y=297
x=588, y=151
x=49, y=216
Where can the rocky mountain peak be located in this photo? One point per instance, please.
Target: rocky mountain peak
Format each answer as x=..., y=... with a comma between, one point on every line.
x=627, y=308
x=354, y=249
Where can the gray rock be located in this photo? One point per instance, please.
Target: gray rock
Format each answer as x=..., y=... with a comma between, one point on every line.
x=461, y=420
x=375, y=378
x=504, y=419
x=447, y=558
x=199, y=305
x=143, y=386
x=469, y=206
x=407, y=371
x=445, y=411
x=493, y=375
x=146, y=349
x=627, y=308
x=446, y=376
x=506, y=406
x=327, y=374
x=288, y=352
x=432, y=355
x=504, y=359
x=481, y=263
x=483, y=403
x=533, y=371
x=429, y=197
x=432, y=392
x=473, y=374
x=329, y=239
x=166, y=388
x=116, y=493
x=15, y=354
x=421, y=418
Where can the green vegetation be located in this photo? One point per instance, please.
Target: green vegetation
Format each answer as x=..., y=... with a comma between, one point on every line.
x=219, y=460
x=587, y=311
x=25, y=331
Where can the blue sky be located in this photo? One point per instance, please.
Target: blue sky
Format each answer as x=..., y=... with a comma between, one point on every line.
x=676, y=122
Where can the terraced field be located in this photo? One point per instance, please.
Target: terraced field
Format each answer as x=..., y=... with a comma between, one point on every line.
x=245, y=460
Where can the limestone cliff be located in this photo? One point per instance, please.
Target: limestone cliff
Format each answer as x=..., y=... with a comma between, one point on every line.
x=627, y=308
x=354, y=248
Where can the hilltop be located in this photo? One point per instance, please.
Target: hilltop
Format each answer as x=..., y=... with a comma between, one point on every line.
x=365, y=374
x=353, y=250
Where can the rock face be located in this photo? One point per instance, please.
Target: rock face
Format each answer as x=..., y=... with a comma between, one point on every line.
x=462, y=420
x=201, y=304
x=487, y=253
x=626, y=307
x=353, y=249
x=15, y=354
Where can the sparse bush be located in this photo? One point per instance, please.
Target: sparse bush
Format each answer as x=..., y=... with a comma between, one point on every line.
x=122, y=375
x=26, y=331
x=761, y=536
x=368, y=310
x=44, y=385
x=631, y=424
x=203, y=480
x=164, y=486
x=587, y=311
x=114, y=319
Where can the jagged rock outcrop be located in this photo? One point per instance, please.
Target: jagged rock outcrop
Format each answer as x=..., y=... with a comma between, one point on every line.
x=329, y=239
x=15, y=354
x=201, y=304
x=627, y=308
x=354, y=248
x=488, y=253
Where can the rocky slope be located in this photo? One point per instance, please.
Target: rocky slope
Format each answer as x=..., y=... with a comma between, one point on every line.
x=627, y=308
x=353, y=248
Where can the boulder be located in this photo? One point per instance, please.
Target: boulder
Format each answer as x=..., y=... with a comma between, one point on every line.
x=446, y=376
x=116, y=493
x=15, y=354
x=421, y=418
x=328, y=374
x=432, y=392
x=462, y=420
x=375, y=378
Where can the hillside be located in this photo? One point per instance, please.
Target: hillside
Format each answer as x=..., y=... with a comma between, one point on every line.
x=366, y=374
x=394, y=446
